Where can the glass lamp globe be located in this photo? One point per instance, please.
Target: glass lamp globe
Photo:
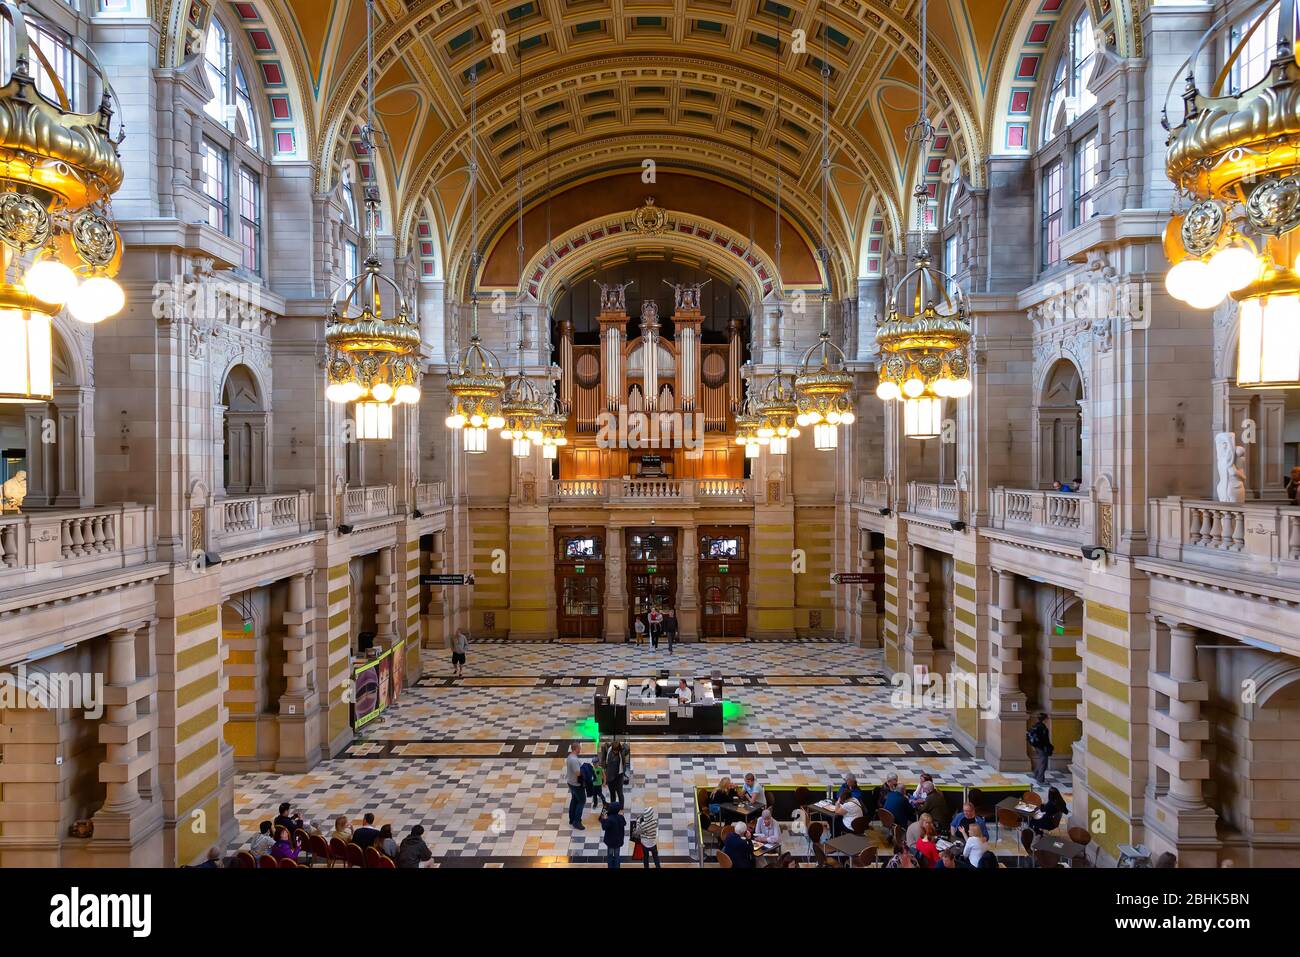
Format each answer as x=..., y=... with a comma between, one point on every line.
x=455, y=421
x=941, y=387
x=751, y=450
x=51, y=281
x=1184, y=278
x=1235, y=267
x=382, y=391
x=335, y=391
x=959, y=388
x=913, y=387
x=408, y=394
x=888, y=391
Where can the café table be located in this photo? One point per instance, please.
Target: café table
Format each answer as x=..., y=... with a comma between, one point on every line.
x=1060, y=847
x=742, y=809
x=1016, y=806
x=850, y=845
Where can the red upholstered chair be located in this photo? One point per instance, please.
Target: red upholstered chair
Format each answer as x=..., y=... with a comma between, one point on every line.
x=267, y=861
x=287, y=863
x=371, y=857
x=245, y=859
x=385, y=862
x=338, y=851
x=320, y=849
x=356, y=856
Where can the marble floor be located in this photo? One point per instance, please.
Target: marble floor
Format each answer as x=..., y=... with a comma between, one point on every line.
x=477, y=760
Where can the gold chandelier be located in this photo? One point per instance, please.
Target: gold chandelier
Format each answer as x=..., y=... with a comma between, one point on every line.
x=777, y=409
x=925, y=336
x=372, y=361
x=58, y=172
x=1236, y=158
x=553, y=425
x=747, y=423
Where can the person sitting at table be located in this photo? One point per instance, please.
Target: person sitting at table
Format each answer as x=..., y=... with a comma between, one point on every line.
x=284, y=845
x=895, y=802
x=684, y=693
x=847, y=810
x=342, y=829
x=754, y=792
x=947, y=858
x=927, y=848
x=367, y=833
x=738, y=847
x=976, y=845
x=968, y=819
x=768, y=829
x=891, y=784
x=1048, y=817
x=932, y=803
x=849, y=789
x=724, y=793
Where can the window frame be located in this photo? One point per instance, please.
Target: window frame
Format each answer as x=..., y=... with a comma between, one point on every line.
x=1051, y=217
x=222, y=203
x=250, y=225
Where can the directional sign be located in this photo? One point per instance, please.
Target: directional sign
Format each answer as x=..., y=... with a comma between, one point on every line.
x=857, y=578
x=443, y=580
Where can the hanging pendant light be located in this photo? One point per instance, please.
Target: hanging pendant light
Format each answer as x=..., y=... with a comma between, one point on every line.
x=1239, y=167
x=926, y=334
x=823, y=383
x=373, y=361
x=476, y=384
x=58, y=172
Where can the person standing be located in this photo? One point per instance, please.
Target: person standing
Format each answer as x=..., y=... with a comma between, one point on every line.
x=577, y=791
x=1040, y=743
x=646, y=831
x=670, y=628
x=638, y=630
x=614, y=825
x=614, y=761
x=656, y=619
x=459, y=648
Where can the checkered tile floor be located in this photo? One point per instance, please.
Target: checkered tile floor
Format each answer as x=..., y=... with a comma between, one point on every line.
x=478, y=760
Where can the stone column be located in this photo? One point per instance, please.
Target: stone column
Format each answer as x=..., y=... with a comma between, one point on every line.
x=615, y=586
x=41, y=467
x=1182, y=822
x=386, y=583
x=688, y=592
x=299, y=705
x=918, y=646
x=1005, y=731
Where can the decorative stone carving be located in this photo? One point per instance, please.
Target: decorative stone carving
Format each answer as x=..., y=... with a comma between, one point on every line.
x=613, y=296
x=649, y=218
x=1230, y=478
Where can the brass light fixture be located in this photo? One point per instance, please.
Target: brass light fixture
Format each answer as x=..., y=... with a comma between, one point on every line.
x=477, y=383
x=552, y=424
x=747, y=422
x=1236, y=159
x=823, y=383
x=58, y=172
x=925, y=336
x=372, y=361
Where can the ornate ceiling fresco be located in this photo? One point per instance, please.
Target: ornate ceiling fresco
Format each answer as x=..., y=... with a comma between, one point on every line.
x=690, y=85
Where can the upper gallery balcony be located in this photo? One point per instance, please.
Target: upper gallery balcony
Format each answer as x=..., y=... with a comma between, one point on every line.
x=651, y=491
x=40, y=547
x=1254, y=539
x=1068, y=517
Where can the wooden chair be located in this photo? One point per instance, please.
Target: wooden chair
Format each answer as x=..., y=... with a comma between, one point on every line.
x=724, y=860
x=267, y=861
x=370, y=857
x=1009, y=819
x=1032, y=797
x=319, y=848
x=286, y=863
x=899, y=838
x=385, y=862
x=356, y=856
x=866, y=859
x=338, y=851
x=1044, y=859
x=822, y=858
x=244, y=859
x=815, y=831
x=1083, y=837
x=886, y=819
x=859, y=825
x=1027, y=837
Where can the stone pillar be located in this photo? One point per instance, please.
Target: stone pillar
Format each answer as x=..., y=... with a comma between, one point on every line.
x=1005, y=731
x=42, y=471
x=73, y=442
x=117, y=771
x=386, y=583
x=300, y=704
x=688, y=591
x=918, y=646
x=615, y=586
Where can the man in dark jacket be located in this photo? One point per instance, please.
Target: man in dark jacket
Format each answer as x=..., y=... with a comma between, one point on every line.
x=367, y=833
x=670, y=627
x=738, y=846
x=1040, y=743
x=614, y=824
x=413, y=851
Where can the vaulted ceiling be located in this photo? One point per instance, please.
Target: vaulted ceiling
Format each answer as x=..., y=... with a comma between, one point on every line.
x=698, y=87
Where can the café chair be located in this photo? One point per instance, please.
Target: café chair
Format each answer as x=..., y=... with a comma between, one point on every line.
x=814, y=834
x=320, y=849
x=1009, y=819
x=1027, y=837
x=267, y=861
x=286, y=863
x=724, y=859
x=370, y=857
x=356, y=856
x=859, y=825
x=338, y=851
x=886, y=819
x=865, y=859
x=1083, y=837
x=1032, y=797
x=244, y=859
x=385, y=863
x=900, y=838
x=822, y=858
x=1044, y=859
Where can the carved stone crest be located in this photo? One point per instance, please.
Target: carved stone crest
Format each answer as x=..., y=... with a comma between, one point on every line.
x=649, y=218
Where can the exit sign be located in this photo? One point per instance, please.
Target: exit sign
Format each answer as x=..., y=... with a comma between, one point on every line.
x=651, y=569
x=580, y=569
x=722, y=569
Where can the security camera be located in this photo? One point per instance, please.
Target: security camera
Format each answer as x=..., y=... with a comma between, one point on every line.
x=957, y=525
x=884, y=510
x=1093, y=552
x=345, y=529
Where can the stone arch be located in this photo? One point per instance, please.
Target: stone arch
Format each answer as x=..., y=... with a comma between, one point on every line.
x=245, y=432
x=1059, y=423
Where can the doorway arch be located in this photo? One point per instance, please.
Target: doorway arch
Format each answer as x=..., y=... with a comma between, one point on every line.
x=1058, y=415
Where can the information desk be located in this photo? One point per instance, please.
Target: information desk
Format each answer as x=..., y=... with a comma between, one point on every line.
x=651, y=707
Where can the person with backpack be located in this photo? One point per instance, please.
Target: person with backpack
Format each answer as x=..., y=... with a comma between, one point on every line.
x=1040, y=743
x=614, y=825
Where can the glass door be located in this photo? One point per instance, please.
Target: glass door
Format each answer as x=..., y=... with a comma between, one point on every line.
x=651, y=572
x=580, y=582
x=724, y=581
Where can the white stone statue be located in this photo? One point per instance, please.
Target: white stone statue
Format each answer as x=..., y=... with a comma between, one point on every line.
x=14, y=491
x=1230, y=478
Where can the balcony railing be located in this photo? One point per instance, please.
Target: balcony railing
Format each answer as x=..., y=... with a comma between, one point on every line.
x=368, y=502
x=926, y=498
x=238, y=521
x=650, y=491
x=429, y=495
x=1065, y=516
x=1255, y=537
x=874, y=492
x=46, y=546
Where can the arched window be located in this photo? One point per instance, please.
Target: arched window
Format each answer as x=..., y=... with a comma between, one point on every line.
x=232, y=103
x=1069, y=96
x=352, y=232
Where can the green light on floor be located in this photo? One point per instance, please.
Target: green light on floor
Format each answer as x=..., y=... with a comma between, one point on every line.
x=588, y=730
x=731, y=710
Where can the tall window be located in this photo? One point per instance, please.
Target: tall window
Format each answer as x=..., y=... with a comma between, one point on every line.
x=351, y=258
x=1069, y=95
x=350, y=204
x=950, y=261
x=244, y=109
x=216, y=63
x=216, y=184
x=1085, y=179
x=1257, y=43
x=1053, y=209
x=55, y=47
x=250, y=218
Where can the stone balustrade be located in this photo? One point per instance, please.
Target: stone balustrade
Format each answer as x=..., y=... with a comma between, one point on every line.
x=429, y=495
x=928, y=498
x=41, y=546
x=1259, y=538
x=645, y=491
x=250, y=518
x=874, y=492
x=368, y=502
x=1063, y=516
